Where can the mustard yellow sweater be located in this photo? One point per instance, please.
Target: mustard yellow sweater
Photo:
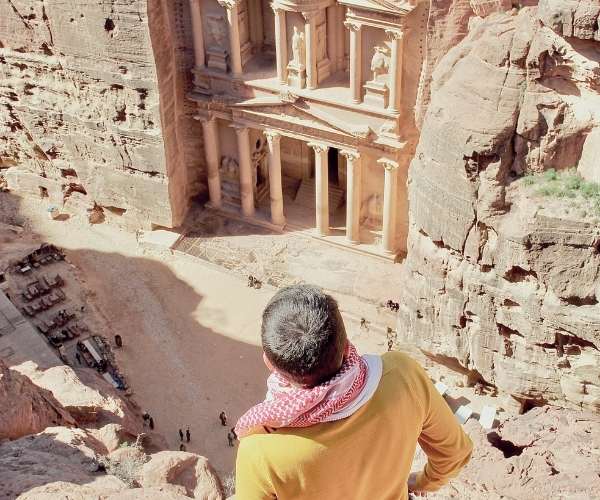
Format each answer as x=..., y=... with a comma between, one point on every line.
x=366, y=456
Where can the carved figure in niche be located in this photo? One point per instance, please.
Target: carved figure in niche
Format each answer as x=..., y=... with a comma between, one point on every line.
x=380, y=62
x=371, y=213
x=228, y=167
x=297, y=47
x=217, y=34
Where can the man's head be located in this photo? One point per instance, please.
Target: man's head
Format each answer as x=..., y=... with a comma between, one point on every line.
x=303, y=335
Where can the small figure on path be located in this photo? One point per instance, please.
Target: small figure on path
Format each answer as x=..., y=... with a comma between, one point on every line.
x=146, y=417
x=364, y=324
x=188, y=436
x=230, y=439
x=390, y=344
x=180, y=435
x=118, y=340
x=182, y=447
x=251, y=281
x=233, y=432
x=223, y=418
x=78, y=357
x=389, y=331
x=151, y=422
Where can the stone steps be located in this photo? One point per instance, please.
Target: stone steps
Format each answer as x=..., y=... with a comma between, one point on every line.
x=305, y=196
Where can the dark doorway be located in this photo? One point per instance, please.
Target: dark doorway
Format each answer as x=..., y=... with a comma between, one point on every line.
x=332, y=159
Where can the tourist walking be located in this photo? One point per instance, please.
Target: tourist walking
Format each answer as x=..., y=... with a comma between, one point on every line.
x=188, y=436
x=182, y=447
x=118, y=340
x=78, y=357
x=223, y=418
x=146, y=417
x=230, y=439
x=180, y=435
x=151, y=422
x=233, y=432
x=390, y=344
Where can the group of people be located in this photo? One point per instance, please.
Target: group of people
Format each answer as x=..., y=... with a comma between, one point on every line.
x=394, y=306
x=231, y=435
x=254, y=282
x=148, y=420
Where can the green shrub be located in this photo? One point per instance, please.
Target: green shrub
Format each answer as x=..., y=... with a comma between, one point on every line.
x=573, y=182
x=529, y=180
x=550, y=175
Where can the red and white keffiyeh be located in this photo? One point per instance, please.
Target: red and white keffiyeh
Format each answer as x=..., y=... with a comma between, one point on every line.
x=288, y=406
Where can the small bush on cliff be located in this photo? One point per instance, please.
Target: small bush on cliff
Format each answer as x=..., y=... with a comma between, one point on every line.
x=127, y=466
x=565, y=184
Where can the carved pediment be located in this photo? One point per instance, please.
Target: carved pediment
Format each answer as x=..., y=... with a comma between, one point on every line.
x=402, y=8
x=294, y=110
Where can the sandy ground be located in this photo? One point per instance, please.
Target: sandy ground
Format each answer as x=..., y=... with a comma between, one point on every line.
x=190, y=330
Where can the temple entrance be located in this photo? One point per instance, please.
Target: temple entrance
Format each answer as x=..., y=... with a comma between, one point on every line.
x=332, y=156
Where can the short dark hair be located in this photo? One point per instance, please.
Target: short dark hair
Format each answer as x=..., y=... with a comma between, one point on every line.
x=303, y=334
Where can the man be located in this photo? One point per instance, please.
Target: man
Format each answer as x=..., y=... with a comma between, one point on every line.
x=337, y=425
x=230, y=439
x=188, y=436
x=223, y=418
x=180, y=435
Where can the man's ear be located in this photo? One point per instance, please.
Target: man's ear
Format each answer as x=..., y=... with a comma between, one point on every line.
x=268, y=363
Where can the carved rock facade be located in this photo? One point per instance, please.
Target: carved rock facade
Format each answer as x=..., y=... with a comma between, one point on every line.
x=93, y=108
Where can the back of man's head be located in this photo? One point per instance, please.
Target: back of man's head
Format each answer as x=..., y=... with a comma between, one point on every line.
x=303, y=334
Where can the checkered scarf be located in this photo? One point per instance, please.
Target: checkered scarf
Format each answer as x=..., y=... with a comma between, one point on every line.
x=289, y=406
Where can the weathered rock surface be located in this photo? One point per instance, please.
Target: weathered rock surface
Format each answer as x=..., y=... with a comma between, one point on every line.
x=189, y=470
x=25, y=408
x=86, y=396
x=499, y=285
x=93, y=107
x=547, y=453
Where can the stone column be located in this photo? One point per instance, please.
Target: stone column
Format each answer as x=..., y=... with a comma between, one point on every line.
x=310, y=41
x=355, y=60
x=198, y=33
x=332, y=36
x=321, y=187
x=281, y=47
x=390, y=193
x=275, y=188
x=353, y=195
x=245, y=165
x=212, y=154
x=234, y=35
x=395, y=75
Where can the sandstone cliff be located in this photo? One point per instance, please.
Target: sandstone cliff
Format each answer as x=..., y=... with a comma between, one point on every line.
x=97, y=456
x=500, y=282
x=93, y=109
x=25, y=408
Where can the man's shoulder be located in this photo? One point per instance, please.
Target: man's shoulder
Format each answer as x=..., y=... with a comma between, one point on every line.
x=399, y=361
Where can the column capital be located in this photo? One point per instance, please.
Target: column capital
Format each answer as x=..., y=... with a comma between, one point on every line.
x=319, y=147
x=239, y=129
x=203, y=118
x=309, y=15
x=389, y=165
x=394, y=34
x=353, y=25
x=273, y=137
x=228, y=4
x=351, y=155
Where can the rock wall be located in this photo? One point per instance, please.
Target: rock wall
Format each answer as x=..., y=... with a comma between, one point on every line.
x=93, y=106
x=498, y=283
x=25, y=408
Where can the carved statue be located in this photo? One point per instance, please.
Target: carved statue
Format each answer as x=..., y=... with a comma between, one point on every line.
x=228, y=167
x=379, y=63
x=217, y=35
x=371, y=213
x=297, y=47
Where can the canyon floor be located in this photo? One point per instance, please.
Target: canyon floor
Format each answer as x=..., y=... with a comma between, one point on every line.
x=190, y=329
